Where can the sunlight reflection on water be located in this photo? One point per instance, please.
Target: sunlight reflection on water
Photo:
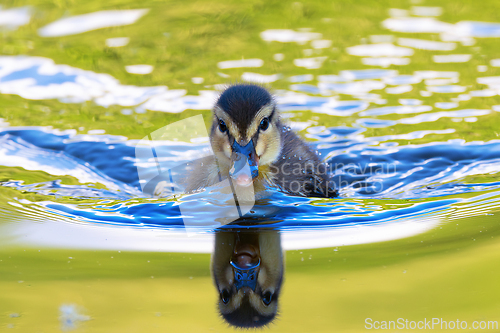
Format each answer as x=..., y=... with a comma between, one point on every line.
x=108, y=160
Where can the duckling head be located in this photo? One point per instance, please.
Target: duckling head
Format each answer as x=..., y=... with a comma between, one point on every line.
x=247, y=268
x=245, y=131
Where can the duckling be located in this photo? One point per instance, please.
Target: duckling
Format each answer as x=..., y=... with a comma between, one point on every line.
x=253, y=147
x=247, y=269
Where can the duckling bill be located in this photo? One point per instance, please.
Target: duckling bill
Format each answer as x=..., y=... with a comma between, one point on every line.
x=252, y=147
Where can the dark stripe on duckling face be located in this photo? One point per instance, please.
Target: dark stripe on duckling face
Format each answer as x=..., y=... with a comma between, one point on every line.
x=261, y=122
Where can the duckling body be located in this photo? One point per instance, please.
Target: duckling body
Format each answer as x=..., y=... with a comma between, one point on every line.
x=251, y=146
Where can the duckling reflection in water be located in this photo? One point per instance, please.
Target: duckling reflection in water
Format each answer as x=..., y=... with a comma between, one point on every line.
x=247, y=268
x=253, y=147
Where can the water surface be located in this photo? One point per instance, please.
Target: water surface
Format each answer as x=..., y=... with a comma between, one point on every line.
x=401, y=101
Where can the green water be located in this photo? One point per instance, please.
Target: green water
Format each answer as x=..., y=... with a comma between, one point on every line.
x=449, y=273
x=188, y=39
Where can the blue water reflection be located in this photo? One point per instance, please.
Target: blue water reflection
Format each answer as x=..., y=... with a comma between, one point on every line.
x=360, y=170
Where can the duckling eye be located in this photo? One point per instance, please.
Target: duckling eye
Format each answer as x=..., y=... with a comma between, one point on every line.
x=264, y=124
x=224, y=296
x=222, y=126
x=267, y=298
